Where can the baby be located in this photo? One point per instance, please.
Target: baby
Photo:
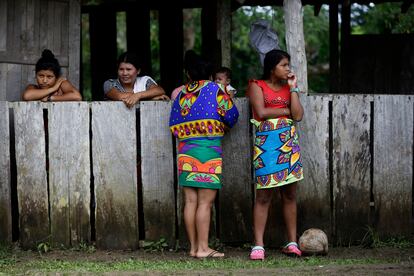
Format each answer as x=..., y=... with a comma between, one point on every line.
x=223, y=76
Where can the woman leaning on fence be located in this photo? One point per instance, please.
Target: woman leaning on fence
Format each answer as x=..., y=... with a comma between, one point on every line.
x=276, y=107
x=51, y=86
x=199, y=117
x=131, y=86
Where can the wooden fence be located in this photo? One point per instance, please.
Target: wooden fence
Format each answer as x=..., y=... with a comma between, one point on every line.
x=81, y=172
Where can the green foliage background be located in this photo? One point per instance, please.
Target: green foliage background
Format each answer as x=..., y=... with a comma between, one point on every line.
x=372, y=19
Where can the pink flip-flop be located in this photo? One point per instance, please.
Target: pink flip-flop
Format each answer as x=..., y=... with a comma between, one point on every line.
x=257, y=253
x=292, y=249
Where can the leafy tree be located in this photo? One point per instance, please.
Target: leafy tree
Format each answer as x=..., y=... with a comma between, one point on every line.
x=385, y=18
x=245, y=60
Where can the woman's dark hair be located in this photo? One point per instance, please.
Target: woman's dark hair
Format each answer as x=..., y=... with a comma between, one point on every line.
x=130, y=57
x=48, y=62
x=196, y=67
x=272, y=58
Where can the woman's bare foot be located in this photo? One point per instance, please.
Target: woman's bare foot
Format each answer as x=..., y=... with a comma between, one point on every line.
x=192, y=253
x=209, y=254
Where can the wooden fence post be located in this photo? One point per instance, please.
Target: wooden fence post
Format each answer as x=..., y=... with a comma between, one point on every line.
x=351, y=167
x=393, y=165
x=235, y=198
x=31, y=174
x=295, y=41
x=115, y=175
x=157, y=171
x=5, y=189
x=69, y=173
x=314, y=192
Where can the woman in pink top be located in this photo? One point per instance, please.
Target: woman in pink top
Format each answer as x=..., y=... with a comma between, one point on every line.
x=276, y=107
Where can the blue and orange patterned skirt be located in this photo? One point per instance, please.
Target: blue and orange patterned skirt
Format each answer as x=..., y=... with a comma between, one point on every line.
x=276, y=153
x=200, y=163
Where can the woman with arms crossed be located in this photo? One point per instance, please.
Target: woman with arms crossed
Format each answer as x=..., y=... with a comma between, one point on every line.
x=50, y=87
x=276, y=107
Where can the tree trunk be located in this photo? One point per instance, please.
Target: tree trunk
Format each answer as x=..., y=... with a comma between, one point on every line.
x=295, y=41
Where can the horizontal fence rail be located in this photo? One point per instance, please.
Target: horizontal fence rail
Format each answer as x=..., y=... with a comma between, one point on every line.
x=99, y=172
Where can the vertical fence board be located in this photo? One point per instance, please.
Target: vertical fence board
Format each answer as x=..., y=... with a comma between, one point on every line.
x=235, y=199
x=157, y=171
x=3, y=81
x=69, y=173
x=351, y=166
x=31, y=174
x=74, y=35
x=393, y=164
x=314, y=195
x=115, y=177
x=5, y=189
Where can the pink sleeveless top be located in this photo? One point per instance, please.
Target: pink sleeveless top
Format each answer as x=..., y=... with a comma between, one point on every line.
x=273, y=98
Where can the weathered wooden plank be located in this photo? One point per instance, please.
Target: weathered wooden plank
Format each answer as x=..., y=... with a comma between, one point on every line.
x=13, y=82
x=3, y=25
x=43, y=22
x=5, y=189
x=31, y=174
x=61, y=28
x=14, y=10
x=224, y=31
x=295, y=40
x=157, y=184
x=314, y=193
x=74, y=42
x=393, y=165
x=115, y=177
x=28, y=76
x=235, y=198
x=69, y=173
x=3, y=81
x=351, y=166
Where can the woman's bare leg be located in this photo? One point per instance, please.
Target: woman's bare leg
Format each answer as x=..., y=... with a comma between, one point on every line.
x=288, y=194
x=260, y=213
x=205, y=202
x=190, y=209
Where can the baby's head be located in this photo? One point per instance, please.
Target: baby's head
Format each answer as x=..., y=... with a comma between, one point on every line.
x=223, y=76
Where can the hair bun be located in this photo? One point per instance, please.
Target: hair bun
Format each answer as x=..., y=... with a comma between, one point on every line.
x=47, y=54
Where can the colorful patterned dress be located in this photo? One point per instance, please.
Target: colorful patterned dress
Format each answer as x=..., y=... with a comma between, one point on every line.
x=199, y=116
x=276, y=152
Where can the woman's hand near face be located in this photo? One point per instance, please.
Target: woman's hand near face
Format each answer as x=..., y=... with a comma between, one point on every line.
x=292, y=80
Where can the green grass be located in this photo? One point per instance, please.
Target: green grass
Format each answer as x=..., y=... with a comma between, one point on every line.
x=11, y=266
x=373, y=240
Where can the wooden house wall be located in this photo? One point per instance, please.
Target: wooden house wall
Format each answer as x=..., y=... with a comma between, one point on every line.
x=28, y=27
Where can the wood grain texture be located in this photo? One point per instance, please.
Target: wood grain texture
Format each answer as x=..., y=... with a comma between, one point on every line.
x=14, y=82
x=295, y=40
x=351, y=166
x=3, y=26
x=73, y=35
x=224, y=31
x=69, y=173
x=5, y=189
x=393, y=165
x=115, y=176
x=235, y=198
x=313, y=193
x=31, y=174
x=3, y=82
x=157, y=171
